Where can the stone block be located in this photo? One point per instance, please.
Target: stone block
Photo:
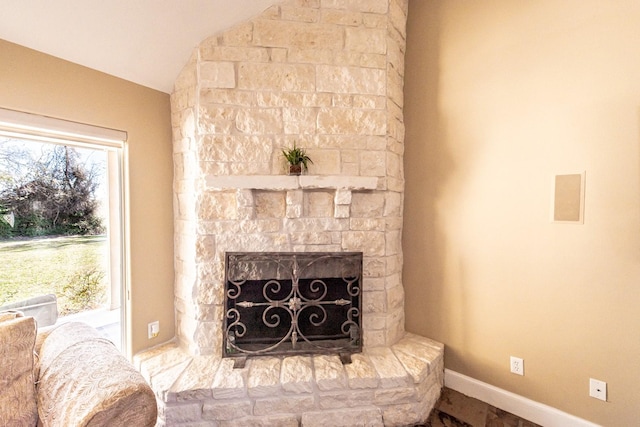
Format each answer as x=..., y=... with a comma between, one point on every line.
x=263, y=421
x=265, y=225
x=296, y=374
x=398, y=17
x=361, y=372
x=329, y=373
x=346, y=399
x=244, y=197
x=219, y=410
x=342, y=197
x=430, y=348
x=367, y=224
x=216, y=120
x=318, y=204
x=239, y=35
x=390, y=371
x=234, y=54
x=405, y=414
x=217, y=74
x=308, y=3
x=344, y=121
x=341, y=211
x=196, y=380
x=367, y=205
x=207, y=336
x=293, y=99
x=374, y=266
x=370, y=6
x=259, y=121
x=300, y=120
x=370, y=243
x=395, y=87
x=269, y=204
x=167, y=356
x=237, y=148
x=278, y=55
x=351, y=80
x=284, y=404
x=300, y=14
x=205, y=246
x=294, y=211
x=367, y=416
x=395, y=292
x=374, y=322
x=276, y=77
x=373, y=302
x=373, y=163
x=341, y=17
x=288, y=34
x=319, y=224
x=369, y=102
x=325, y=162
x=264, y=377
x=366, y=40
x=374, y=284
x=213, y=206
x=311, y=238
x=416, y=367
x=179, y=413
x=393, y=242
x=374, y=338
x=229, y=383
x=370, y=20
x=388, y=396
x=227, y=97
x=342, y=100
x=162, y=381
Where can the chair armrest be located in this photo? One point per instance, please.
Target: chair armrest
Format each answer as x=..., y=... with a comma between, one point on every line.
x=85, y=381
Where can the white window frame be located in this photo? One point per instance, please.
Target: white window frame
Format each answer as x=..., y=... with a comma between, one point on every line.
x=21, y=125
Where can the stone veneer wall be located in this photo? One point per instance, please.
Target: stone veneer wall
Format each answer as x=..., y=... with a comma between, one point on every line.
x=327, y=75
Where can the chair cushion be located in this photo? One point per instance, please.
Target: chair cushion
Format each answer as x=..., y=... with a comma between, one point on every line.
x=17, y=386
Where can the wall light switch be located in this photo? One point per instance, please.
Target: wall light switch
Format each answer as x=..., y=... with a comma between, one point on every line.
x=154, y=329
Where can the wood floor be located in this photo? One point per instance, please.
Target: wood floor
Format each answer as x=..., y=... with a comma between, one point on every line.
x=457, y=410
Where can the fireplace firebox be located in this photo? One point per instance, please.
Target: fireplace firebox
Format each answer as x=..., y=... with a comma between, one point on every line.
x=290, y=302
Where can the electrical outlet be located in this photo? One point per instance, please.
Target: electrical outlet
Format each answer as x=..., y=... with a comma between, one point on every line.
x=517, y=365
x=154, y=329
x=598, y=389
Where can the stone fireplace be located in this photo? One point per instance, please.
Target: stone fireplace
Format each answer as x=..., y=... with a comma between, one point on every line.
x=325, y=75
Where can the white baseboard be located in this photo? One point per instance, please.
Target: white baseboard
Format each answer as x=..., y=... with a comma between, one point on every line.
x=521, y=406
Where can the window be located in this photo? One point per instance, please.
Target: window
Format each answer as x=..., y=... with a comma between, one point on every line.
x=101, y=150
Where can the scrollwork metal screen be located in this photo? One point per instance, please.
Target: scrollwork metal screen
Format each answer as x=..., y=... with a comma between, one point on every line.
x=284, y=302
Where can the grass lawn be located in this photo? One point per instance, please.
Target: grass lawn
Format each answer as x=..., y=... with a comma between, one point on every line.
x=44, y=265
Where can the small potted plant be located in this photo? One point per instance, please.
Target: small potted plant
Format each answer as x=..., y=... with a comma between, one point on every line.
x=297, y=159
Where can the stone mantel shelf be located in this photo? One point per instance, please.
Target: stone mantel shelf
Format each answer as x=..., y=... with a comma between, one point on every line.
x=291, y=182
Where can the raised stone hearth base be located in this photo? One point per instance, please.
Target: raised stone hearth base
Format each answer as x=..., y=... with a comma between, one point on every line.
x=383, y=386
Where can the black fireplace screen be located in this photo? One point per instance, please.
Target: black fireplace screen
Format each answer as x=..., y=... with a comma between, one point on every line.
x=292, y=302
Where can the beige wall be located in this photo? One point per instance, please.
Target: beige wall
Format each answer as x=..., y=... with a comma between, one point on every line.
x=500, y=96
x=33, y=82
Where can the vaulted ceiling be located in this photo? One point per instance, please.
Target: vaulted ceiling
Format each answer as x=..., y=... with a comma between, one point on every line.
x=143, y=41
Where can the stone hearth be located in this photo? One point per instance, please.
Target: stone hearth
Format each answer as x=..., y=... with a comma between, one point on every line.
x=326, y=75
x=384, y=386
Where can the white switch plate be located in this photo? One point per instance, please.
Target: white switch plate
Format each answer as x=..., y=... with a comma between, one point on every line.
x=598, y=389
x=154, y=329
